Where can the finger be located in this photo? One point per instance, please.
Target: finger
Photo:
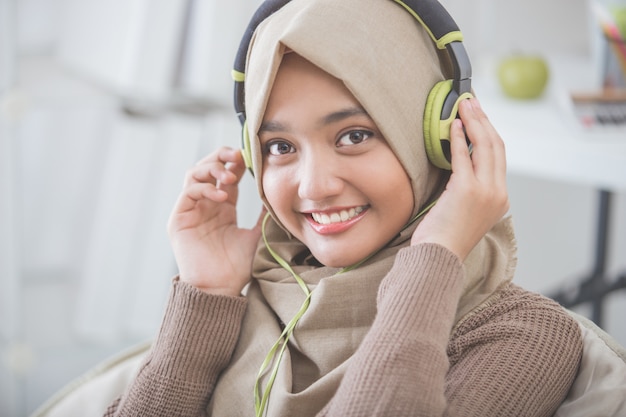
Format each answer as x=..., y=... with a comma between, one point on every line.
x=237, y=166
x=461, y=161
x=482, y=136
x=197, y=192
x=490, y=156
x=496, y=143
x=209, y=172
x=221, y=157
x=223, y=154
x=224, y=167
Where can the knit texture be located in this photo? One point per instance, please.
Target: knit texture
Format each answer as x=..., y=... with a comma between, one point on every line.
x=516, y=355
x=196, y=339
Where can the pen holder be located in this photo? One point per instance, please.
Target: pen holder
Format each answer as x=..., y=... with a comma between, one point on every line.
x=614, y=68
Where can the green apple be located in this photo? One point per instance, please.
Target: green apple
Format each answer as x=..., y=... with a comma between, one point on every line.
x=523, y=76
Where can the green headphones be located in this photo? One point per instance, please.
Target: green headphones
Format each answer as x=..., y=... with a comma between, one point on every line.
x=442, y=102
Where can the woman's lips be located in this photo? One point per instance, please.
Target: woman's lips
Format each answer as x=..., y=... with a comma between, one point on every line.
x=336, y=221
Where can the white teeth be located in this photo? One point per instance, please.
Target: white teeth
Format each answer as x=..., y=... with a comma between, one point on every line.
x=342, y=216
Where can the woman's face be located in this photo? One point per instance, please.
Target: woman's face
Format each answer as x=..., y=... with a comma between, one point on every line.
x=328, y=173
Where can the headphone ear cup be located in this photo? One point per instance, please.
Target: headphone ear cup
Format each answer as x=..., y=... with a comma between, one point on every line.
x=432, y=122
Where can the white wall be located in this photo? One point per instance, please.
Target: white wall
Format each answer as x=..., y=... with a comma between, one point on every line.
x=497, y=27
x=94, y=185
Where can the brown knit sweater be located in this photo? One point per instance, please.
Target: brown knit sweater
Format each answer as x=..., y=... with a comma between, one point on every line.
x=516, y=355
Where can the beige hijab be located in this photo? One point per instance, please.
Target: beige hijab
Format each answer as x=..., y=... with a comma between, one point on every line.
x=389, y=64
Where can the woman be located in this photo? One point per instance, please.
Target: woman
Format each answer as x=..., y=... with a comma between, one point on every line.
x=362, y=297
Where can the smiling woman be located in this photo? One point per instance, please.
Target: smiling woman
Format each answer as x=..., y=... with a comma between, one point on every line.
x=355, y=294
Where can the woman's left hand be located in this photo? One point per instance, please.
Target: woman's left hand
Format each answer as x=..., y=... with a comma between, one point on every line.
x=475, y=198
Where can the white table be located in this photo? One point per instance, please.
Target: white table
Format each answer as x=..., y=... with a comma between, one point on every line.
x=544, y=139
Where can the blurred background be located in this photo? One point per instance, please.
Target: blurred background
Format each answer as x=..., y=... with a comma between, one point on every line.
x=105, y=103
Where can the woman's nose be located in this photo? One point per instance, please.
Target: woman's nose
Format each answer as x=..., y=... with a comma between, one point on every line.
x=319, y=177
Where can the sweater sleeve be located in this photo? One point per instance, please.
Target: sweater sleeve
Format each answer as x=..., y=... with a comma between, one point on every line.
x=196, y=340
x=518, y=358
x=400, y=368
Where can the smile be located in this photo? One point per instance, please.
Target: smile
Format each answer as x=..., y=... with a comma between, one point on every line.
x=339, y=216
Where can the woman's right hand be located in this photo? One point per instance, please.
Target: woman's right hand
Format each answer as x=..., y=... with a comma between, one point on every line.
x=476, y=197
x=212, y=252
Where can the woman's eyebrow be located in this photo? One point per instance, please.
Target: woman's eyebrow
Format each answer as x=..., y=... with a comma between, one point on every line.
x=272, y=126
x=342, y=114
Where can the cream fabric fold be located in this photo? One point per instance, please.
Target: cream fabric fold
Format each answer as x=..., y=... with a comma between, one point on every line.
x=389, y=64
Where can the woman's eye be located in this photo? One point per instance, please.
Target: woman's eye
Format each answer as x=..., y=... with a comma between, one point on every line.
x=279, y=148
x=354, y=137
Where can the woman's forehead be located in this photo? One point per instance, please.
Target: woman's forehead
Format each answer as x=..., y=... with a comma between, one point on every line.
x=300, y=82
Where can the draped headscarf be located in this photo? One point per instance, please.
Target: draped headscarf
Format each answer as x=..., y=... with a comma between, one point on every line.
x=389, y=63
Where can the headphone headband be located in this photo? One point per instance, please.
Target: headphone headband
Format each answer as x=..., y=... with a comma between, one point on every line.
x=431, y=14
